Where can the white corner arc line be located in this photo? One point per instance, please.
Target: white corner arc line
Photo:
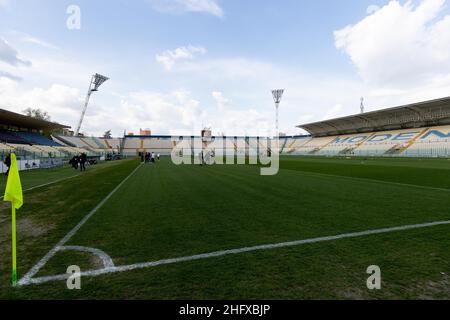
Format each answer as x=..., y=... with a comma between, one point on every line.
x=106, y=259
x=95, y=273
x=71, y=233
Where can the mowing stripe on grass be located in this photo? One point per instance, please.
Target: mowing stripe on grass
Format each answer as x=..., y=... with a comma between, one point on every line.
x=94, y=273
x=68, y=236
x=370, y=180
x=48, y=184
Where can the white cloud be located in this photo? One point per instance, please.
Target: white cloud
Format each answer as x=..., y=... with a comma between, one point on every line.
x=61, y=102
x=37, y=41
x=10, y=55
x=176, y=112
x=334, y=112
x=234, y=120
x=170, y=57
x=4, y=3
x=372, y=9
x=399, y=46
x=181, y=6
x=5, y=74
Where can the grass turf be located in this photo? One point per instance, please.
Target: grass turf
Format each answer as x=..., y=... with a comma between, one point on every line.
x=165, y=211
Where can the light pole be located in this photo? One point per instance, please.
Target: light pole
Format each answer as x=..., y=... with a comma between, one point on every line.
x=277, y=95
x=362, y=105
x=96, y=81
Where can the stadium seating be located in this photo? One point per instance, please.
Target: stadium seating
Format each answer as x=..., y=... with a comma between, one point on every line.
x=4, y=147
x=418, y=142
x=11, y=137
x=35, y=138
x=426, y=142
x=113, y=143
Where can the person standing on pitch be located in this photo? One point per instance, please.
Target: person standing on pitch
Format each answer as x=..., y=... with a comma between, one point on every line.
x=83, y=159
x=158, y=156
x=7, y=163
x=153, y=157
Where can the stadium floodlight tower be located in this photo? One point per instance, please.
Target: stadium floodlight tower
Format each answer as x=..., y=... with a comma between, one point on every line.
x=362, y=105
x=277, y=95
x=96, y=81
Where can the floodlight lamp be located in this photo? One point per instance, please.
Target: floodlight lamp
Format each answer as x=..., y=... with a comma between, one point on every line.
x=97, y=81
x=277, y=95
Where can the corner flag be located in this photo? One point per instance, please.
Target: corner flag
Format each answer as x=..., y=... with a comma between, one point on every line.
x=13, y=194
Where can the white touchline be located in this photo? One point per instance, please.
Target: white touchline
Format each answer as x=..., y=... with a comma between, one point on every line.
x=93, y=273
x=68, y=236
x=48, y=184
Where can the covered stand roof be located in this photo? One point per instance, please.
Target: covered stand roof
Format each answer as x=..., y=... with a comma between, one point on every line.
x=421, y=114
x=9, y=118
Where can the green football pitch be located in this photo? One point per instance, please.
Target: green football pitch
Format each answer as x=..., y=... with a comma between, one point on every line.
x=226, y=232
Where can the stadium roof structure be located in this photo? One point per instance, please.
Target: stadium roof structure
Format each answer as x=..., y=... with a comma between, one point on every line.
x=9, y=118
x=415, y=115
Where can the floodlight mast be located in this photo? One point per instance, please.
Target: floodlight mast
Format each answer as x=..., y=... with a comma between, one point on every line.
x=277, y=95
x=96, y=81
x=362, y=105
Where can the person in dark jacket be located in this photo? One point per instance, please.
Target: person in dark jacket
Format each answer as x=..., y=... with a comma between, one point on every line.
x=83, y=159
x=74, y=162
x=7, y=163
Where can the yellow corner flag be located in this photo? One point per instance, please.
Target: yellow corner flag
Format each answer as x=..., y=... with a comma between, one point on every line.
x=13, y=194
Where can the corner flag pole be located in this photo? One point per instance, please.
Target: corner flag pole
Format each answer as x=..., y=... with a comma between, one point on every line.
x=13, y=194
x=14, y=252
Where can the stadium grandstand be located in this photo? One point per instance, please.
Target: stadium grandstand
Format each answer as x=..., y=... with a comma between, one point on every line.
x=415, y=130
x=164, y=145
x=32, y=141
x=91, y=145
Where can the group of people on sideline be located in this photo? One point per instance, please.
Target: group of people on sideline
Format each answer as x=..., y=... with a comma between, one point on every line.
x=150, y=157
x=79, y=162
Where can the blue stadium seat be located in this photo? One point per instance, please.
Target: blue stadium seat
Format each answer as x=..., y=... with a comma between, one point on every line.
x=14, y=137
x=35, y=138
x=11, y=137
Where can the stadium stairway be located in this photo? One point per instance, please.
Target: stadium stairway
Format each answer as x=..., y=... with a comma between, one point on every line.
x=358, y=145
x=316, y=150
x=89, y=144
x=284, y=145
x=414, y=140
x=63, y=141
x=402, y=147
x=99, y=143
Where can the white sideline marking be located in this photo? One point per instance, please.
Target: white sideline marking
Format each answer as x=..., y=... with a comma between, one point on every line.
x=95, y=273
x=48, y=184
x=64, y=240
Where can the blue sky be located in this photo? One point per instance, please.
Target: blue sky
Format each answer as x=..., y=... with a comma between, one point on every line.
x=178, y=65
